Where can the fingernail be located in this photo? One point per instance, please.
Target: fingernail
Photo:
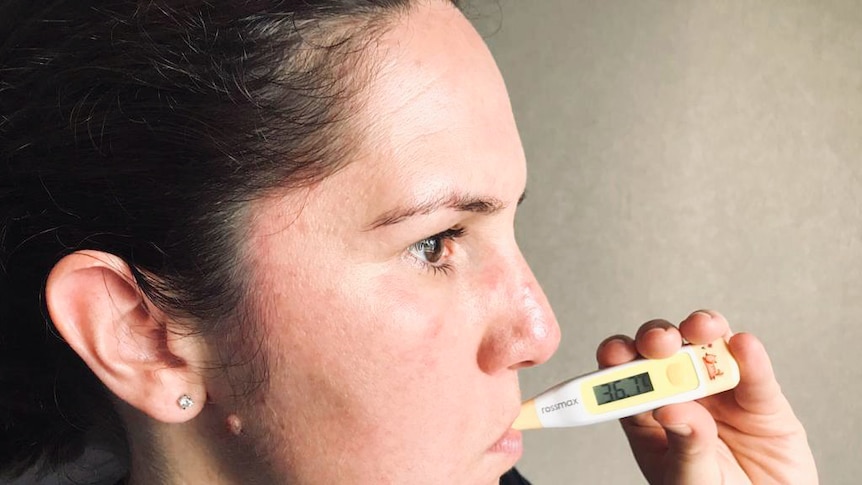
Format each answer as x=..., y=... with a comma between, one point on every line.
x=704, y=313
x=656, y=330
x=614, y=339
x=679, y=429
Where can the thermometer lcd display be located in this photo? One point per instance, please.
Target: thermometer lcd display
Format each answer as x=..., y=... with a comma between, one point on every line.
x=623, y=388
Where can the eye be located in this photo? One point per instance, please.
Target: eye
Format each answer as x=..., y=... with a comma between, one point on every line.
x=431, y=251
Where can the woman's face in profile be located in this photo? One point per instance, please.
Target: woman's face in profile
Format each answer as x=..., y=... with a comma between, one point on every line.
x=395, y=304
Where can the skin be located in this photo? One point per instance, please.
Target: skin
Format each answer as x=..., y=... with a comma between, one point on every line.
x=370, y=345
x=394, y=311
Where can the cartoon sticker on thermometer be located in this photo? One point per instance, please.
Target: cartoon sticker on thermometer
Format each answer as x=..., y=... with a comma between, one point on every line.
x=711, y=363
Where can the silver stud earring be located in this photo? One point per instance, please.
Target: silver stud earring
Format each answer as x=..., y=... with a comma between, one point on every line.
x=185, y=401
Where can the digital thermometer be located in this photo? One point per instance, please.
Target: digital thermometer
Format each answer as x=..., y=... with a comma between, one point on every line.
x=635, y=387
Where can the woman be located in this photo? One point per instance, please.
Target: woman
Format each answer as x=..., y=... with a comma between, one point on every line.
x=275, y=240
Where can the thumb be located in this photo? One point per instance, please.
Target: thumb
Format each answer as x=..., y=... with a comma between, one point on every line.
x=692, y=441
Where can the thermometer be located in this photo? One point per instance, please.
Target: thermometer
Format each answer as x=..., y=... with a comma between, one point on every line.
x=695, y=371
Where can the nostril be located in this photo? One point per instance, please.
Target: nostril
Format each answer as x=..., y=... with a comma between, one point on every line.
x=525, y=364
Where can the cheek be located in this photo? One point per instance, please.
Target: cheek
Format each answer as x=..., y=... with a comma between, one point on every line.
x=420, y=318
x=380, y=369
x=371, y=343
x=369, y=361
x=409, y=339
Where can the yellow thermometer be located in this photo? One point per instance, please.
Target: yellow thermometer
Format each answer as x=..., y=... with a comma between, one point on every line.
x=635, y=387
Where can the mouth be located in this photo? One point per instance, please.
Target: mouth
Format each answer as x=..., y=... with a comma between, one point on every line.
x=510, y=443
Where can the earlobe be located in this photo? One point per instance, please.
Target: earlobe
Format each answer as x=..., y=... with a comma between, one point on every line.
x=98, y=308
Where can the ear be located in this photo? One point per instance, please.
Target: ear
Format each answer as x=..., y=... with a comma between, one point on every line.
x=98, y=308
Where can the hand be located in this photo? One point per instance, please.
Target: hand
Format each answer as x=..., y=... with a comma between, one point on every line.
x=745, y=435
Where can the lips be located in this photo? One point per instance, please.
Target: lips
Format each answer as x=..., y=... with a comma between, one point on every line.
x=510, y=443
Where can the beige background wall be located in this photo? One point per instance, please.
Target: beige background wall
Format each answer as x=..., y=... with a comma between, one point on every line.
x=689, y=154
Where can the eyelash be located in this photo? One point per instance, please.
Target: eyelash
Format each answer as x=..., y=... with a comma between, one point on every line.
x=443, y=237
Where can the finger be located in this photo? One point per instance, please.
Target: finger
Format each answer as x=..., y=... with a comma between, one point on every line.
x=758, y=391
x=616, y=350
x=643, y=424
x=692, y=441
x=704, y=326
x=657, y=339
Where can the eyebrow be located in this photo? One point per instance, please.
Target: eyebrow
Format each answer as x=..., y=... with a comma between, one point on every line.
x=458, y=202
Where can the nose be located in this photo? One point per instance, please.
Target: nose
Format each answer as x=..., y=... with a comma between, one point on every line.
x=522, y=330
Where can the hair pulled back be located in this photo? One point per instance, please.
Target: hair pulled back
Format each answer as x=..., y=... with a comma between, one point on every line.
x=143, y=128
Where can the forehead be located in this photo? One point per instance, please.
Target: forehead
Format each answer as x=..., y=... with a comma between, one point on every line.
x=437, y=111
x=434, y=120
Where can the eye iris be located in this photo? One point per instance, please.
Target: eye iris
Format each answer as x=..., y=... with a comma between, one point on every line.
x=431, y=249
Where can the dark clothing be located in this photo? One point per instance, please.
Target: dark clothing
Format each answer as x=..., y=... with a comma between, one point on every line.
x=512, y=477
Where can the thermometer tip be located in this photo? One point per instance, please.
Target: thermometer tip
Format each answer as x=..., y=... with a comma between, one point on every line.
x=528, y=419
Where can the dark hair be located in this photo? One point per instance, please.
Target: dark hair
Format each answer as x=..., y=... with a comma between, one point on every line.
x=143, y=128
